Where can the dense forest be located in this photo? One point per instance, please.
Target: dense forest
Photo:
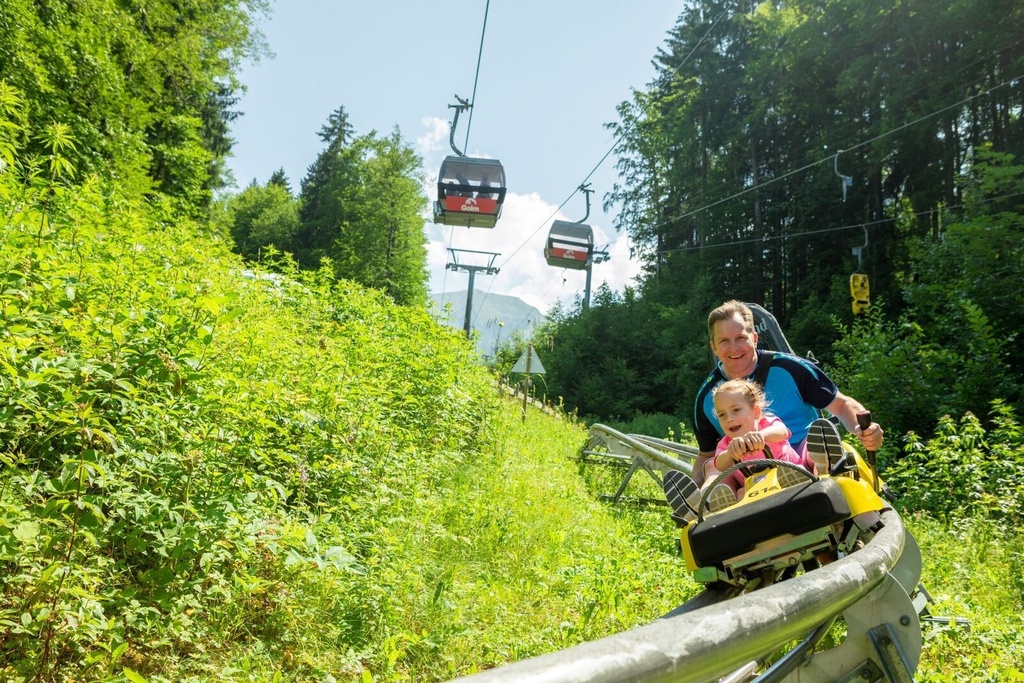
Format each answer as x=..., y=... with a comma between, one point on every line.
x=359, y=211
x=783, y=148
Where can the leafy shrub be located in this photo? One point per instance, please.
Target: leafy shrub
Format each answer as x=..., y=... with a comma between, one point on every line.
x=932, y=375
x=195, y=461
x=964, y=470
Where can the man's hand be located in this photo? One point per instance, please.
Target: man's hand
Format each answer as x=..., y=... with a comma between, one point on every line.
x=871, y=437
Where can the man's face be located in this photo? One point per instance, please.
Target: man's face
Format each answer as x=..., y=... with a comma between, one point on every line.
x=735, y=347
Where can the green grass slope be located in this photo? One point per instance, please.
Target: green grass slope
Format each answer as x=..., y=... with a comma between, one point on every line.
x=196, y=462
x=214, y=474
x=209, y=474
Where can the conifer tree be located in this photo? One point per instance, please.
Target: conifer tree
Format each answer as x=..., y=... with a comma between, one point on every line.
x=361, y=208
x=146, y=90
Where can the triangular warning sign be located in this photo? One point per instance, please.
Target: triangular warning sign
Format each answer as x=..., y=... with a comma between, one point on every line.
x=535, y=366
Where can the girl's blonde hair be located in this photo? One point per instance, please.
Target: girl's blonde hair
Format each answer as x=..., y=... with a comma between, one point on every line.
x=749, y=389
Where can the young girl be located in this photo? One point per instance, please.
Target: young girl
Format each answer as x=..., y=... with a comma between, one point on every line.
x=740, y=407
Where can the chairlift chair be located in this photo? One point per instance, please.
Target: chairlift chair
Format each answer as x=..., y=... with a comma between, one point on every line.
x=470, y=192
x=569, y=245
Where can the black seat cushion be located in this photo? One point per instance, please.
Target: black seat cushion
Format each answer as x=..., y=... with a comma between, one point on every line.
x=794, y=510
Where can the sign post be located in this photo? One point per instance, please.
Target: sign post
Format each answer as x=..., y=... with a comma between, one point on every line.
x=528, y=364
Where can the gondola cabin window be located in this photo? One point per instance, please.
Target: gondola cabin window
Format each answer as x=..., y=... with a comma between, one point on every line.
x=470, y=192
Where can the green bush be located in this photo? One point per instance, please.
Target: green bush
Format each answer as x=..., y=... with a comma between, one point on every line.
x=909, y=376
x=964, y=470
x=196, y=460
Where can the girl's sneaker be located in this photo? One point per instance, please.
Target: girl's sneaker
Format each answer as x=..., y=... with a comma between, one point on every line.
x=790, y=476
x=683, y=495
x=720, y=498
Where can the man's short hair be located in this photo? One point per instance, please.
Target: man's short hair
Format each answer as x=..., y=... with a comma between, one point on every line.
x=727, y=311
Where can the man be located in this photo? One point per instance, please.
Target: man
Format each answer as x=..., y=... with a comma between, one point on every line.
x=485, y=183
x=795, y=388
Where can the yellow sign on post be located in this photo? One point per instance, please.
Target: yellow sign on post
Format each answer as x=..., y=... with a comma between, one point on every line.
x=860, y=290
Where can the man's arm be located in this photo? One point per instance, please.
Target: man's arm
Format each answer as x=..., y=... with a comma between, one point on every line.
x=846, y=408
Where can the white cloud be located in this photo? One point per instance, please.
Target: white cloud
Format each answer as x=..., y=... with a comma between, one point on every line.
x=435, y=139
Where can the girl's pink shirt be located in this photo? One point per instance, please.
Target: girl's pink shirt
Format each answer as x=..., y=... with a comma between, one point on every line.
x=781, y=450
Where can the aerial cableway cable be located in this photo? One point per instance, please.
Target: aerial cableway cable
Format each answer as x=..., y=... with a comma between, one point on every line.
x=616, y=142
x=606, y=154
x=819, y=231
x=470, y=190
x=831, y=157
x=476, y=77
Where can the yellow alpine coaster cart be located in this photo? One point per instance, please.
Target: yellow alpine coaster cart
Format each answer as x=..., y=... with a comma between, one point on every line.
x=774, y=531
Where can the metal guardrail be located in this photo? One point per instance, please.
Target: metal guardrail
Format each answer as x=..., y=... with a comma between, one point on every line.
x=680, y=449
x=637, y=453
x=657, y=454
x=716, y=635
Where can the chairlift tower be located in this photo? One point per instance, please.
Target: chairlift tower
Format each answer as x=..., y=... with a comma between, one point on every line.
x=596, y=258
x=480, y=257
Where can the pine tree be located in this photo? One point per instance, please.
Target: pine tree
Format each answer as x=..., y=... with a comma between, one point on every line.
x=361, y=209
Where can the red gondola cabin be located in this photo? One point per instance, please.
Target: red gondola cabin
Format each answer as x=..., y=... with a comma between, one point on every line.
x=570, y=245
x=470, y=192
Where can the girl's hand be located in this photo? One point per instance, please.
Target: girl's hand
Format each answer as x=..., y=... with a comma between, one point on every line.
x=754, y=441
x=736, y=449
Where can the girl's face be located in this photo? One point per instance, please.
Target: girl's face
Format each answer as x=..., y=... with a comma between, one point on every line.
x=735, y=413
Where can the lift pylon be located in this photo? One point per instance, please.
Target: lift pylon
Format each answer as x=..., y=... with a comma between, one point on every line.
x=486, y=268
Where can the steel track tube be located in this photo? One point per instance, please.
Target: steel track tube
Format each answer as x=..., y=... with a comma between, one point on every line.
x=712, y=641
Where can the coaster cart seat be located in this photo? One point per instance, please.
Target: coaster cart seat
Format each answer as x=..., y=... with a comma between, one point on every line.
x=772, y=530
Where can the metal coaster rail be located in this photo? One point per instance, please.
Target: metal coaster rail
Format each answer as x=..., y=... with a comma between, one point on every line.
x=723, y=633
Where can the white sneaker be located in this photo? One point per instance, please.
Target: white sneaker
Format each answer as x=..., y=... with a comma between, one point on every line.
x=790, y=476
x=824, y=445
x=720, y=498
x=682, y=494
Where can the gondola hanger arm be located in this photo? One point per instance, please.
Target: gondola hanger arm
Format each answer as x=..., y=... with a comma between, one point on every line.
x=462, y=106
x=859, y=251
x=585, y=189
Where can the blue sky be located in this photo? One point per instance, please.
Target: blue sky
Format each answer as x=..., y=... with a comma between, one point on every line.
x=551, y=75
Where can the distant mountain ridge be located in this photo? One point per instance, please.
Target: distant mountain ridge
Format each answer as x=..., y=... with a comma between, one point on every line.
x=489, y=312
